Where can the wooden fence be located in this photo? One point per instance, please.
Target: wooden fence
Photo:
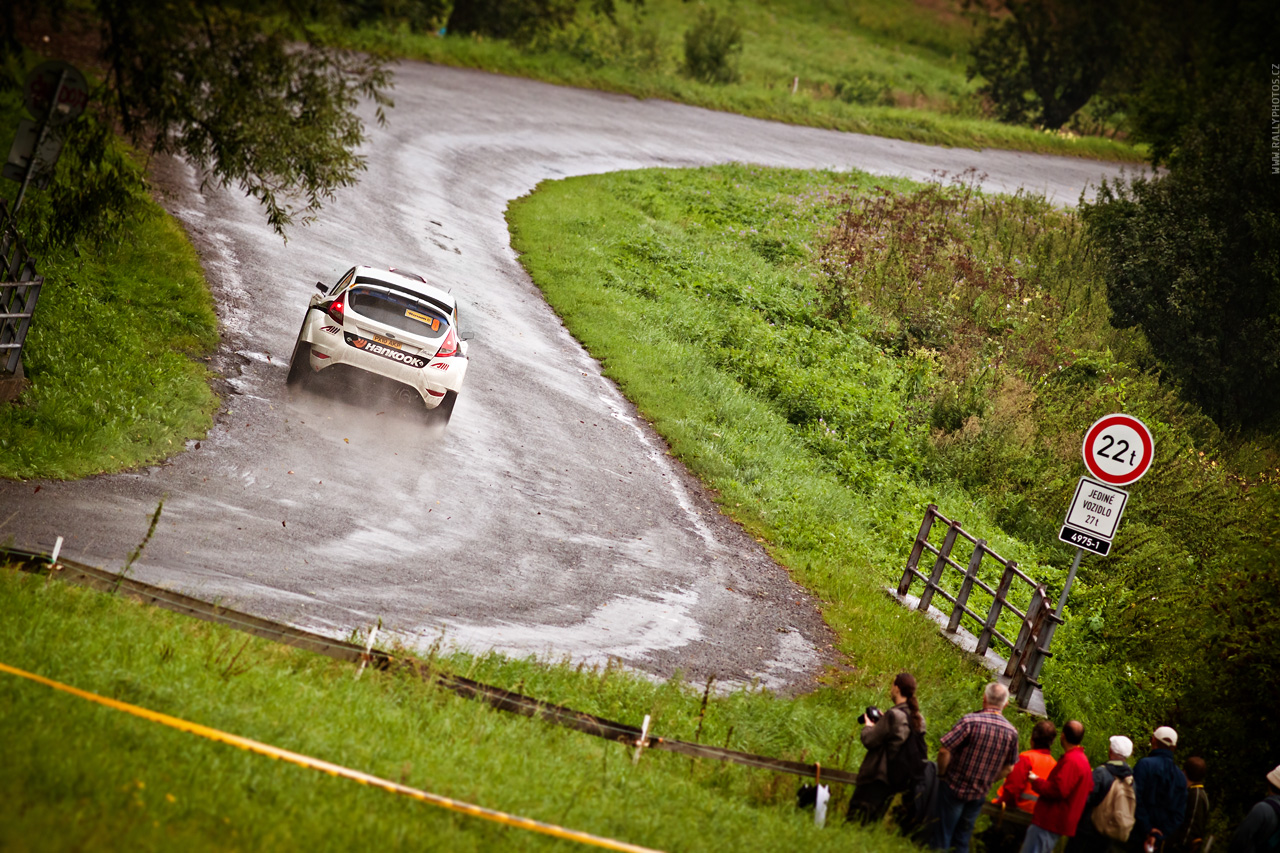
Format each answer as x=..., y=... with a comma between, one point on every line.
x=19, y=292
x=1025, y=654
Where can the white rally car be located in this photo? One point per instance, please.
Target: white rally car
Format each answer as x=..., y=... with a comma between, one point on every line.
x=389, y=323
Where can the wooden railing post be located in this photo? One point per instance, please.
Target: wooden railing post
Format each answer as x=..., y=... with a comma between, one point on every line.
x=943, y=553
x=1002, y=593
x=1023, y=682
x=1026, y=636
x=916, y=550
x=962, y=599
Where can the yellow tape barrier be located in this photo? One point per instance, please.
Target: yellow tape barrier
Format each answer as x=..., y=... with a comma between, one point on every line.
x=336, y=769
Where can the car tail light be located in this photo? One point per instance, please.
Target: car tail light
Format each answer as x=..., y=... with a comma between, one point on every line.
x=450, y=345
x=335, y=310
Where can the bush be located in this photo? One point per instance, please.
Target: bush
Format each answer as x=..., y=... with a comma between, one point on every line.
x=863, y=87
x=711, y=49
x=1190, y=257
x=603, y=40
x=521, y=21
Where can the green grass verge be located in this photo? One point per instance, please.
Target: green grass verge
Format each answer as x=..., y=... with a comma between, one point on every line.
x=889, y=68
x=669, y=277
x=112, y=357
x=79, y=776
x=830, y=367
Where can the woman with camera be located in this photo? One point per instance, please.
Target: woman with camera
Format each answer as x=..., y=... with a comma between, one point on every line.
x=883, y=734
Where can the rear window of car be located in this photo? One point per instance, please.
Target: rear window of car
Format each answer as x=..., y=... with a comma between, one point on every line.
x=401, y=312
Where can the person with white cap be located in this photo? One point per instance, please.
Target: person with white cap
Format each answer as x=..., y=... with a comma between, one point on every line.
x=1260, y=830
x=1162, y=794
x=1087, y=838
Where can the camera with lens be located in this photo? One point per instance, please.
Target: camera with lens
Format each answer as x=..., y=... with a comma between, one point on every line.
x=870, y=716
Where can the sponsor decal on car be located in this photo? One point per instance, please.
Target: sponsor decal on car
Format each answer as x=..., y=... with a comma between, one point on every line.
x=433, y=322
x=333, y=330
x=386, y=351
x=441, y=365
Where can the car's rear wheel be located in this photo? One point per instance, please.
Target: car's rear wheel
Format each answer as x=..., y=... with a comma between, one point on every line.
x=441, y=413
x=300, y=371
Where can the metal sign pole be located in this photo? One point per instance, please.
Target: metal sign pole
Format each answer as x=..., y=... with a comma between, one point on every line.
x=44, y=130
x=1071, y=576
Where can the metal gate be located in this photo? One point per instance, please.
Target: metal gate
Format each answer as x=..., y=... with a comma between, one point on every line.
x=19, y=292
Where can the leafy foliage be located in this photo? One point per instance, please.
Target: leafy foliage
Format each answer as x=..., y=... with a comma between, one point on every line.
x=1184, y=58
x=605, y=36
x=248, y=91
x=422, y=15
x=1042, y=60
x=521, y=21
x=1193, y=258
x=97, y=191
x=711, y=48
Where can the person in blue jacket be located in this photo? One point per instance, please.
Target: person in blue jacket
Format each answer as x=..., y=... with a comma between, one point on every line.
x=1259, y=832
x=1161, y=791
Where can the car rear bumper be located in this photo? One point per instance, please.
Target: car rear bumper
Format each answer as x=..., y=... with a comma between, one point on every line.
x=329, y=349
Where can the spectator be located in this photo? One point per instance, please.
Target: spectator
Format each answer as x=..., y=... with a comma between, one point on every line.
x=1190, y=836
x=883, y=738
x=1015, y=792
x=1062, y=794
x=1260, y=830
x=981, y=748
x=1161, y=790
x=1087, y=838
x=1017, y=796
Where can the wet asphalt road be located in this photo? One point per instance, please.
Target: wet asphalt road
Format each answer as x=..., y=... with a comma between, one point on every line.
x=547, y=518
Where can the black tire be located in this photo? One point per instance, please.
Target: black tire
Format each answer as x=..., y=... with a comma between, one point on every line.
x=441, y=413
x=300, y=372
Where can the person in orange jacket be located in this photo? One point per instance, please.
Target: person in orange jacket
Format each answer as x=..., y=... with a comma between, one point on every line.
x=1016, y=792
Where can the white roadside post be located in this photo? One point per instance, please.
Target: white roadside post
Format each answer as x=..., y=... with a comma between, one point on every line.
x=1117, y=450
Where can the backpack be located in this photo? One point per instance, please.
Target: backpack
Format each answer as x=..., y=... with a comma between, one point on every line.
x=918, y=811
x=1274, y=841
x=1113, y=817
x=907, y=764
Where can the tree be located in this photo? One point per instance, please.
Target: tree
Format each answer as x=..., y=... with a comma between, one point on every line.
x=246, y=90
x=1042, y=60
x=1193, y=258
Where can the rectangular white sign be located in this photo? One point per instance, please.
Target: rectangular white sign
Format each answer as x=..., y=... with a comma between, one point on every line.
x=1096, y=508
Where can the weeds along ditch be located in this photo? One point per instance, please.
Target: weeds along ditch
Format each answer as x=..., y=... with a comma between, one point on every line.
x=830, y=352
x=79, y=775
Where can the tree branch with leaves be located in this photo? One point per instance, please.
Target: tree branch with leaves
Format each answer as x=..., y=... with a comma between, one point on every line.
x=248, y=91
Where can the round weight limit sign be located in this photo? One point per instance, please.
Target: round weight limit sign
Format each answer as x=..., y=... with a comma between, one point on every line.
x=1118, y=449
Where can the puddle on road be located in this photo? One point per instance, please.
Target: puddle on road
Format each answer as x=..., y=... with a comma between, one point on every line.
x=627, y=627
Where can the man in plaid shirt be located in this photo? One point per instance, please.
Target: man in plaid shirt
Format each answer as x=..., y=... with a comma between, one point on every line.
x=978, y=750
